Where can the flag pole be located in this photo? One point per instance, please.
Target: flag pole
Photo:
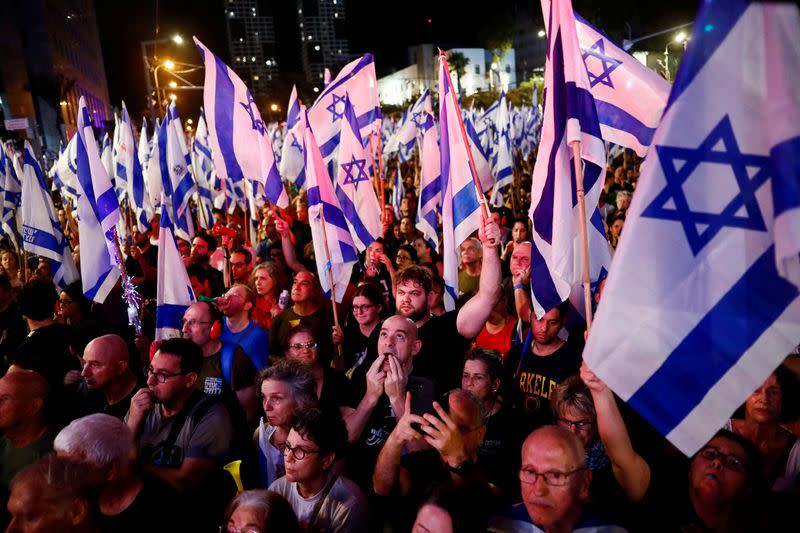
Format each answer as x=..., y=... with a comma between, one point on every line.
x=478, y=189
x=330, y=274
x=378, y=173
x=587, y=292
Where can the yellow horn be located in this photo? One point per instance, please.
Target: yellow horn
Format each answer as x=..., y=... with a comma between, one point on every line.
x=233, y=469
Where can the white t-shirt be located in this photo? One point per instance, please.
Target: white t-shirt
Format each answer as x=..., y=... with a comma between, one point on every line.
x=342, y=511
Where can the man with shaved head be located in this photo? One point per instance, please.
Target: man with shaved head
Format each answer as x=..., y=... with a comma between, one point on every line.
x=554, y=482
x=26, y=433
x=106, y=369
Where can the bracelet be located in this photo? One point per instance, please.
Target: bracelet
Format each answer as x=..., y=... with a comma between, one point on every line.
x=520, y=286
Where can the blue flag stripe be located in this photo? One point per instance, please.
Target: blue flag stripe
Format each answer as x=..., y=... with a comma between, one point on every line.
x=617, y=118
x=746, y=311
x=224, y=100
x=170, y=315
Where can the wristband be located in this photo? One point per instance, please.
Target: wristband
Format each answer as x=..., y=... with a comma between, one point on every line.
x=520, y=286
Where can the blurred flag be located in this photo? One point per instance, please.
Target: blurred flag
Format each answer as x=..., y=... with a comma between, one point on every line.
x=629, y=97
x=479, y=157
x=556, y=257
x=703, y=302
x=144, y=145
x=98, y=213
x=398, y=191
x=353, y=185
x=430, y=184
x=12, y=194
x=130, y=169
x=327, y=77
x=322, y=203
x=41, y=231
x=203, y=171
x=356, y=79
x=461, y=212
x=238, y=136
x=173, y=290
x=107, y=157
x=502, y=161
x=404, y=138
x=292, y=166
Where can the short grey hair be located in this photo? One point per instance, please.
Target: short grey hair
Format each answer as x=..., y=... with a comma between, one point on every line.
x=478, y=411
x=297, y=376
x=99, y=439
x=572, y=393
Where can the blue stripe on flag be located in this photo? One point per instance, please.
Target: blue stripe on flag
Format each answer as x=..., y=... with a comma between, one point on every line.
x=92, y=292
x=614, y=117
x=465, y=203
x=738, y=320
x=542, y=285
x=40, y=238
x=786, y=167
x=170, y=315
x=430, y=191
x=349, y=209
x=224, y=102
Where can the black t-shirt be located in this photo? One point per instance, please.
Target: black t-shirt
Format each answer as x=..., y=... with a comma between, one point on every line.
x=442, y=353
x=121, y=408
x=499, y=453
x=356, y=347
x=12, y=333
x=532, y=383
x=337, y=390
x=139, y=515
x=46, y=351
x=320, y=322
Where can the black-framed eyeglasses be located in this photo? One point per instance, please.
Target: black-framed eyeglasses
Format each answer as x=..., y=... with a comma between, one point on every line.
x=729, y=461
x=298, y=452
x=303, y=345
x=162, y=377
x=230, y=529
x=193, y=322
x=553, y=478
x=580, y=425
x=362, y=308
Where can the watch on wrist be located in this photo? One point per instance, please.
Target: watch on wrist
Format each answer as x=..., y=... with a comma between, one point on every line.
x=465, y=468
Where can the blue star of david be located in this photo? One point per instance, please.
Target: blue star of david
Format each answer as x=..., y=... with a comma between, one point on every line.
x=296, y=144
x=332, y=108
x=705, y=153
x=348, y=168
x=257, y=123
x=598, y=51
x=417, y=119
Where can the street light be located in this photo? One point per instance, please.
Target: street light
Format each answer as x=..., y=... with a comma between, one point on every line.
x=680, y=38
x=175, y=39
x=541, y=33
x=173, y=97
x=173, y=84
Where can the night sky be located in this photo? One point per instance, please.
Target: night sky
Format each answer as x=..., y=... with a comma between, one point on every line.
x=447, y=23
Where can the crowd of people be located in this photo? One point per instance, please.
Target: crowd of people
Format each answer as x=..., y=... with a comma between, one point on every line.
x=269, y=413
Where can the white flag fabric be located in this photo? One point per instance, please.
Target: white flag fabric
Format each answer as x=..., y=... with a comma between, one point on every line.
x=702, y=302
x=430, y=184
x=240, y=145
x=322, y=203
x=629, y=97
x=556, y=258
x=502, y=161
x=98, y=212
x=292, y=167
x=203, y=171
x=130, y=169
x=173, y=291
x=461, y=213
x=12, y=195
x=41, y=231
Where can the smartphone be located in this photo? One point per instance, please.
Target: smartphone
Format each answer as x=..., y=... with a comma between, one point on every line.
x=423, y=394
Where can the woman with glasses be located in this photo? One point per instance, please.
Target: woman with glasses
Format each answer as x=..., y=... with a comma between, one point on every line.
x=586, y=406
x=284, y=388
x=405, y=256
x=267, y=281
x=72, y=306
x=764, y=411
x=259, y=511
x=498, y=454
x=362, y=326
x=332, y=387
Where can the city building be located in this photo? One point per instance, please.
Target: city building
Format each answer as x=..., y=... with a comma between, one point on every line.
x=251, y=40
x=51, y=58
x=323, y=37
x=480, y=74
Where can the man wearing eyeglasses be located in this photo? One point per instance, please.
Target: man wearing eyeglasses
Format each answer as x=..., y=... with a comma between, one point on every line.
x=554, y=482
x=185, y=457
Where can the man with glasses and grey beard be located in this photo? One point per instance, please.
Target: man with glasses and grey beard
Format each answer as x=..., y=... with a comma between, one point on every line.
x=183, y=437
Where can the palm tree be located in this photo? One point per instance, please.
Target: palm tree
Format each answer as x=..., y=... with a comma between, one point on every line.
x=458, y=65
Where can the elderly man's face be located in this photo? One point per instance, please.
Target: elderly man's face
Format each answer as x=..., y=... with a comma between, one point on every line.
x=558, y=503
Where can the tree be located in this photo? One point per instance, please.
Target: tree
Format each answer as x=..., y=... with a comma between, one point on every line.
x=458, y=65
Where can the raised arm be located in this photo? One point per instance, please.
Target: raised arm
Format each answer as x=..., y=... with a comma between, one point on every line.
x=630, y=469
x=388, y=472
x=289, y=254
x=473, y=316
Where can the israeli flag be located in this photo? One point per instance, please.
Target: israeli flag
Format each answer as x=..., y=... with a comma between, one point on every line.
x=120, y=178
x=12, y=195
x=503, y=163
x=479, y=156
x=461, y=212
x=629, y=97
x=173, y=291
x=98, y=212
x=403, y=140
x=64, y=172
x=398, y=191
x=357, y=80
x=556, y=258
x=327, y=77
x=144, y=145
x=333, y=245
x=203, y=170
x=107, y=157
x=703, y=302
x=353, y=185
x=129, y=172
x=292, y=167
x=238, y=136
x=41, y=231
x=429, y=209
